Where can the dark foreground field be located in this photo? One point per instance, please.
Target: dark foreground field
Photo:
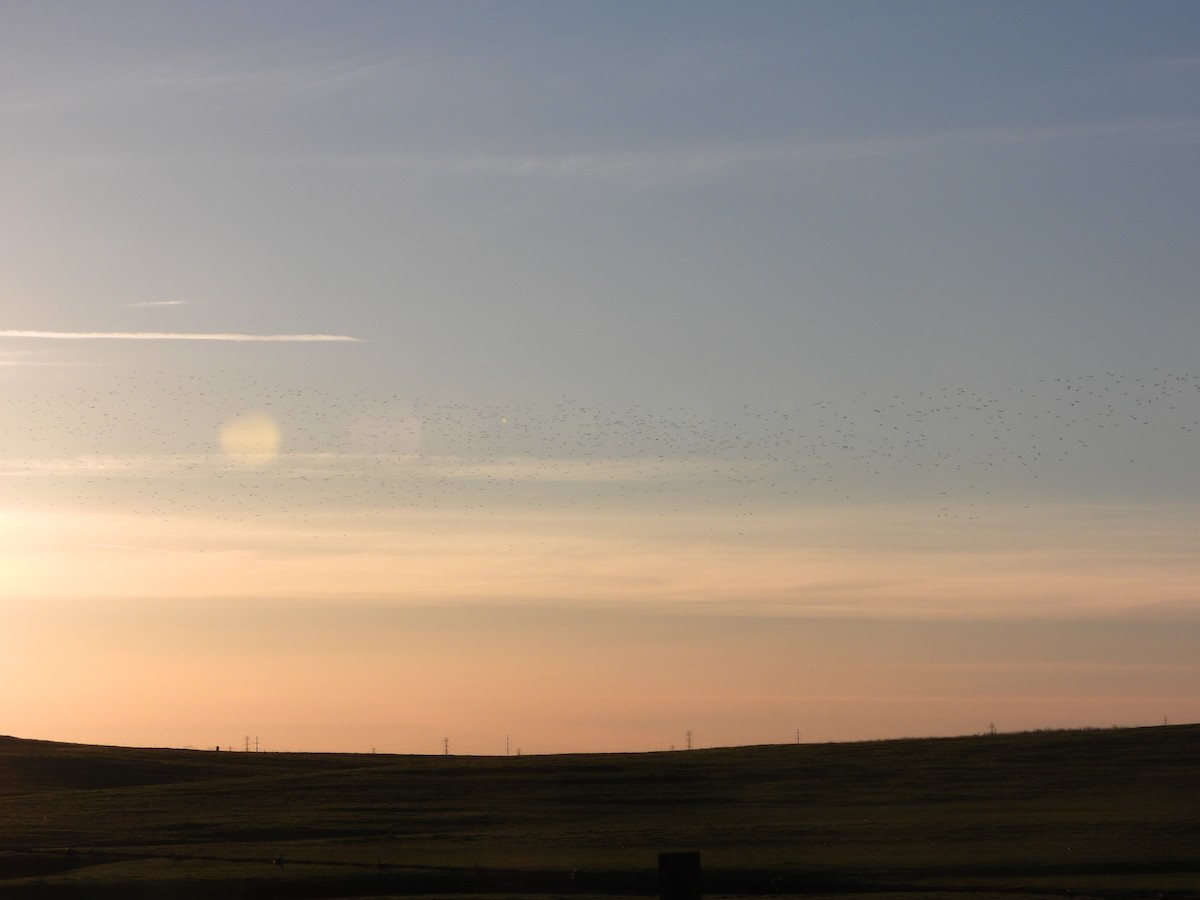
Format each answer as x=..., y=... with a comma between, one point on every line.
x=1112, y=813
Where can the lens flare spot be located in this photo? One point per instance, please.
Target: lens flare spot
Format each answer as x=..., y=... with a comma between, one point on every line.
x=252, y=437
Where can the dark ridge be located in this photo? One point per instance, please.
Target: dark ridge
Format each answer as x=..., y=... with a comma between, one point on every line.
x=1103, y=812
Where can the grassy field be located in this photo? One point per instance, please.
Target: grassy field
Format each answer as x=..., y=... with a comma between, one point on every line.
x=1098, y=813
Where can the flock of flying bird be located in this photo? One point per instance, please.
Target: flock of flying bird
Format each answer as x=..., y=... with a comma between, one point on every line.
x=148, y=445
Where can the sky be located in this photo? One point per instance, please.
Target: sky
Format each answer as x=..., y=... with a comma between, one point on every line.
x=575, y=377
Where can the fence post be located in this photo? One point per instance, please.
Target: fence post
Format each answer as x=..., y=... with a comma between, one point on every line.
x=679, y=876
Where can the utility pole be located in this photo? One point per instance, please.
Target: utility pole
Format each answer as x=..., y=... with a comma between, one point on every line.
x=246, y=745
x=445, y=746
x=506, y=745
x=256, y=743
x=689, y=739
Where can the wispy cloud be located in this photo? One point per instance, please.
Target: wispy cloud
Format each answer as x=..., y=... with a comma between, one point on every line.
x=14, y=363
x=1178, y=63
x=444, y=468
x=175, y=336
x=223, y=79
x=640, y=167
x=151, y=303
x=24, y=358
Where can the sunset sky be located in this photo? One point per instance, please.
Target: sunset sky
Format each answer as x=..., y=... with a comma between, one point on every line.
x=377, y=373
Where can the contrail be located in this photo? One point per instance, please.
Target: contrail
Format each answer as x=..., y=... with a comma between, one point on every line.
x=174, y=336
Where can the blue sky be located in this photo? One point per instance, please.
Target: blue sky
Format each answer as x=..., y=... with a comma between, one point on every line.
x=862, y=311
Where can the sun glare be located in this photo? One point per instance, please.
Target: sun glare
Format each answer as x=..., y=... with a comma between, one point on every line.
x=252, y=438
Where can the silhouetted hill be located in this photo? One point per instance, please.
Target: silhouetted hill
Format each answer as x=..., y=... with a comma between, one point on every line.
x=1114, y=811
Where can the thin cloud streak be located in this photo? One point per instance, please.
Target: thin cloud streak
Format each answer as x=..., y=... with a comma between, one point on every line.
x=219, y=78
x=357, y=465
x=178, y=336
x=690, y=163
x=31, y=363
x=151, y=303
x=1180, y=63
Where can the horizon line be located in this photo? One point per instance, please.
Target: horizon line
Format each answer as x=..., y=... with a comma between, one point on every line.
x=991, y=732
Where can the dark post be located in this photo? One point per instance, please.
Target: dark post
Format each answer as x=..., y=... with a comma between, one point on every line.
x=679, y=876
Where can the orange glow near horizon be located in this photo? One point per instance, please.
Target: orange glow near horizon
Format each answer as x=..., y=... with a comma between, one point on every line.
x=1086, y=559
x=588, y=633
x=350, y=676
